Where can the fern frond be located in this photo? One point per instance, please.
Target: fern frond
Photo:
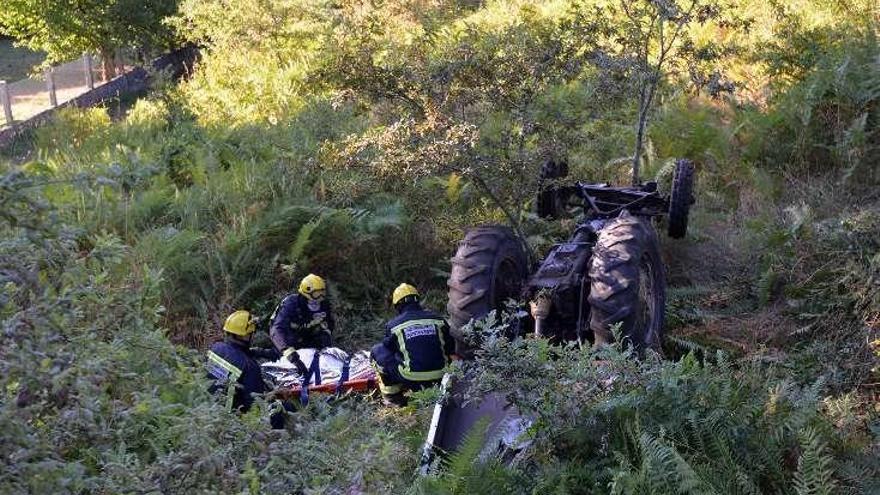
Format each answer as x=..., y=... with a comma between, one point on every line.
x=814, y=475
x=304, y=236
x=461, y=463
x=666, y=466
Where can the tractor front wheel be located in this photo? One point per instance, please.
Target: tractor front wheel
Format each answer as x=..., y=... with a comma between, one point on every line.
x=681, y=198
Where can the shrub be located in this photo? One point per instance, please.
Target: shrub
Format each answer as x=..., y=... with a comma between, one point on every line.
x=654, y=426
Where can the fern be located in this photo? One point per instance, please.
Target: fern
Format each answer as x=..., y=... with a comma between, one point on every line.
x=303, y=237
x=682, y=346
x=766, y=285
x=454, y=187
x=372, y=220
x=666, y=465
x=460, y=464
x=467, y=471
x=814, y=475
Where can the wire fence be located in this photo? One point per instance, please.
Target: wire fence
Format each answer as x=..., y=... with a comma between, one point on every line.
x=21, y=100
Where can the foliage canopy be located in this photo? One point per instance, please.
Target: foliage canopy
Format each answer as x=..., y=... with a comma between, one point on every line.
x=65, y=30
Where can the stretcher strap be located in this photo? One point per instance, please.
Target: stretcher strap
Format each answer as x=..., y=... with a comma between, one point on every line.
x=343, y=377
x=314, y=369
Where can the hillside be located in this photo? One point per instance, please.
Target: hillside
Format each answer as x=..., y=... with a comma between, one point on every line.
x=359, y=140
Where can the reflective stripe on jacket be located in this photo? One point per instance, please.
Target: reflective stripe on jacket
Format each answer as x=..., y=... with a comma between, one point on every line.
x=224, y=373
x=423, y=342
x=232, y=368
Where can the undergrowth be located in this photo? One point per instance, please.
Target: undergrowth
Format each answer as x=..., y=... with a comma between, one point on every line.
x=126, y=242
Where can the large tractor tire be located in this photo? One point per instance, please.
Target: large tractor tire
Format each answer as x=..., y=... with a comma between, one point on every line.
x=489, y=267
x=627, y=283
x=681, y=198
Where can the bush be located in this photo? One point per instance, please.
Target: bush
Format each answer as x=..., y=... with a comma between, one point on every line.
x=828, y=117
x=653, y=426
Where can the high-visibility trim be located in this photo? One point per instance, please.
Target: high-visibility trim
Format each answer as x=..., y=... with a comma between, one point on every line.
x=401, y=344
x=232, y=375
x=389, y=389
x=385, y=389
x=287, y=352
x=421, y=376
x=442, y=342
x=399, y=330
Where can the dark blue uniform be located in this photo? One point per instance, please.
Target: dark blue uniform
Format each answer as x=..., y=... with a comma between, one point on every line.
x=415, y=351
x=295, y=325
x=234, y=369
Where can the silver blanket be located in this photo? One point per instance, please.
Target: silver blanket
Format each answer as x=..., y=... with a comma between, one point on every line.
x=331, y=360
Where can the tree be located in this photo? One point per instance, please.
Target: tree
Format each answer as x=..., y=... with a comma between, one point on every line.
x=464, y=100
x=67, y=29
x=654, y=41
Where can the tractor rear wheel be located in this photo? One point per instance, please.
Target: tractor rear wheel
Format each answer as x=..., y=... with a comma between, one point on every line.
x=489, y=267
x=680, y=198
x=627, y=284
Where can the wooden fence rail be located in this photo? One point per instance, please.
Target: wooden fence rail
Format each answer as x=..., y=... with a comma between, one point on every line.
x=177, y=63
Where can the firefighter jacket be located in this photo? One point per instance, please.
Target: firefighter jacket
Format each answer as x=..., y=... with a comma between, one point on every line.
x=234, y=369
x=295, y=325
x=421, y=343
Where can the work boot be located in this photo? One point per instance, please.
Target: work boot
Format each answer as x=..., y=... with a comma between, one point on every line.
x=394, y=400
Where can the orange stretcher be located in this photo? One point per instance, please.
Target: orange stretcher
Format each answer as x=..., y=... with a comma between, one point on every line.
x=362, y=385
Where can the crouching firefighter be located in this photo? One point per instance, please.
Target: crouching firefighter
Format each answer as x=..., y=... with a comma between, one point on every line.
x=303, y=320
x=235, y=370
x=416, y=349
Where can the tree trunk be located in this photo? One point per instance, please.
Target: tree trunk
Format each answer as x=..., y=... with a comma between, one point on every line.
x=108, y=64
x=515, y=222
x=640, y=137
x=646, y=98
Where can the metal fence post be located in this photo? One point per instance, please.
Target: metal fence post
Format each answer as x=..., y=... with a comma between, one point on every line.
x=50, y=85
x=6, y=102
x=87, y=65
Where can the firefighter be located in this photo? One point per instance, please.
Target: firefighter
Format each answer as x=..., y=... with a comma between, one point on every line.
x=416, y=349
x=232, y=367
x=303, y=320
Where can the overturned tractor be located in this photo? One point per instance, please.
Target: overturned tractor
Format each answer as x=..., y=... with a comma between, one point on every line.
x=609, y=272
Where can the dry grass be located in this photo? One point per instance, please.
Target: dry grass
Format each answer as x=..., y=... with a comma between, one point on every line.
x=746, y=333
x=713, y=253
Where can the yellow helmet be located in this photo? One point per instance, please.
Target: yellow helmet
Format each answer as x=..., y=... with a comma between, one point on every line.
x=312, y=287
x=240, y=323
x=402, y=291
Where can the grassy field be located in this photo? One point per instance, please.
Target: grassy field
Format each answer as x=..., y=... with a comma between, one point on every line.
x=15, y=63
